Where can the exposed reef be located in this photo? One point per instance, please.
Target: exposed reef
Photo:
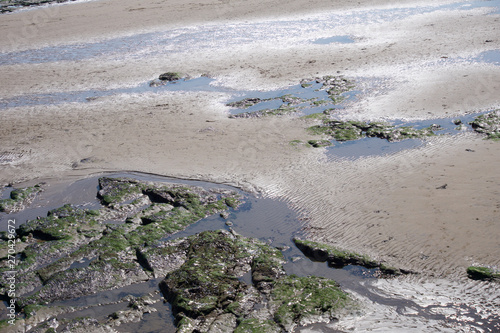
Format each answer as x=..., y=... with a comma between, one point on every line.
x=339, y=258
x=489, y=124
x=19, y=199
x=483, y=273
x=207, y=290
x=215, y=280
x=353, y=130
x=334, y=86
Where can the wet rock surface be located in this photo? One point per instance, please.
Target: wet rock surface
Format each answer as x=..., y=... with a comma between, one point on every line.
x=19, y=199
x=73, y=253
x=334, y=86
x=488, y=124
x=353, y=130
x=207, y=294
x=339, y=258
x=483, y=273
x=165, y=78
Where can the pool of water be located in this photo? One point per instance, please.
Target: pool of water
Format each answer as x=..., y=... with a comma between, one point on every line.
x=201, y=83
x=334, y=39
x=376, y=147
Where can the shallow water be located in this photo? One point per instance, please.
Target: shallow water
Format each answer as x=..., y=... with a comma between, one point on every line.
x=186, y=39
x=334, y=39
x=377, y=147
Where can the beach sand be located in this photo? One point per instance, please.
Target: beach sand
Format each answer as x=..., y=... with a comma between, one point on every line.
x=390, y=207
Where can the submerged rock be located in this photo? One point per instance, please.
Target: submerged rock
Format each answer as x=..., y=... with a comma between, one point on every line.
x=334, y=85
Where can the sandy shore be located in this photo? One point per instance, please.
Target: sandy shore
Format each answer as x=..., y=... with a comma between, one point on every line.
x=388, y=206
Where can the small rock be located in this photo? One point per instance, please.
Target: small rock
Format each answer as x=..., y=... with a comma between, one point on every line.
x=229, y=223
x=170, y=76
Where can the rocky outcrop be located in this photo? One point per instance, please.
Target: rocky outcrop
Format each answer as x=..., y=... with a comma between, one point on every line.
x=20, y=199
x=353, y=130
x=483, y=273
x=488, y=124
x=208, y=293
x=339, y=258
x=165, y=78
x=72, y=253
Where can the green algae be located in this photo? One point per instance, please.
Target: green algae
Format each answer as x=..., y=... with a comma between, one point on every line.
x=208, y=283
x=354, y=130
x=300, y=297
x=339, y=258
x=319, y=143
x=488, y=124
x=19, y=198
x=254, y=325
x=482, y=273
x=118, y=190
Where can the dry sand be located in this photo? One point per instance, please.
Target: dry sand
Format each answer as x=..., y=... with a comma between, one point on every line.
x=388, y=206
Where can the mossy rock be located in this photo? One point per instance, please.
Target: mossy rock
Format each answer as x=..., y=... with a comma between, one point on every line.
x=298, y=298
x=488, y=123
x=354, y=130
x=62, y=223
x=117, y=190
x=482, y=273
x=335, y=257
x=170, y=76
x=205, y=282
x=319, y=143
x=19, y=199
x=254, y=325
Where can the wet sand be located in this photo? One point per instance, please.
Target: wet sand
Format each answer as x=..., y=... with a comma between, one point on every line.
x=390, y=207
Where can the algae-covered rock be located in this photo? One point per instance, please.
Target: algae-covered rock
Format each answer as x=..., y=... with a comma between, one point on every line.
x=488, y=124
x=71, y=253
x=245, y=103
x=353, y=130
x=19, y=199
x=281, y=111
x=301, y=300
x=483, y=273
x=253, y=325
x=209, y=284
x=115, y=190
x=165, y=78
x=334, y=256
x=319, y=143
x=339, y=258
